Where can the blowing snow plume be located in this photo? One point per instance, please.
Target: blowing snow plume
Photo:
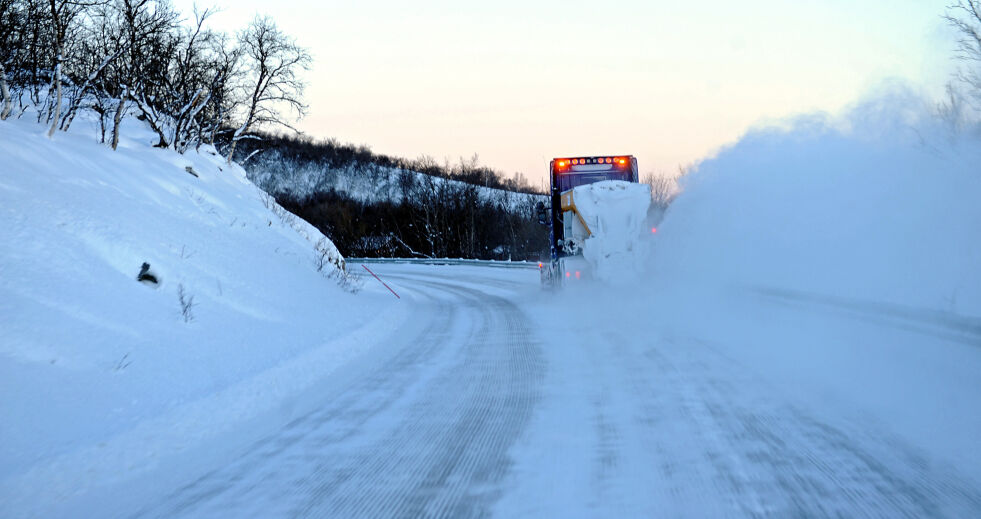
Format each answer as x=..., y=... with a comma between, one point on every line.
x=813, y=309
x=881, y=204
x=837, y=261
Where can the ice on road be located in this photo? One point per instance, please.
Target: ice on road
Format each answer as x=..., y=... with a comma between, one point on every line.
x=485, y=404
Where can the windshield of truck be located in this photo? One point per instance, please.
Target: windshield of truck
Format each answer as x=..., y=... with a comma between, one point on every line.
x=568, y=181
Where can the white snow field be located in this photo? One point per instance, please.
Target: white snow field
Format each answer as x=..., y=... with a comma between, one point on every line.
x=805, y=342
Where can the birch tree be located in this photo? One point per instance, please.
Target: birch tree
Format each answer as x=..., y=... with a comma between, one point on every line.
x=226, y=65
x=965, y=17
x=79, y=94
x=143, y=27
x=63, y=14
x=273, y=63
x=199, y=83
x=9, y=22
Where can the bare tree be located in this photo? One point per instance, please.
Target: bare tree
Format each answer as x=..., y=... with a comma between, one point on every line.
x=78, y=95
x=188, y=82
x=663, y=189
x=4, y=94
x=965, y=17
x=144, y=26
x=30, y=50
x=9, y=22
x=226, y=65
x=63, y=14
x=273, y=63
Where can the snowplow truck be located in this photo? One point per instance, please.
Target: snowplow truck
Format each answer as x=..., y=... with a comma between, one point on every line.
x=596, y=216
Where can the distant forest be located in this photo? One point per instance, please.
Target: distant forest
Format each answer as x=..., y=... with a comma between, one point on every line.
x=373, y=205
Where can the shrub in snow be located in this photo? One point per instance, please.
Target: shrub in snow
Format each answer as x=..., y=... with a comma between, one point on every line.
x=187, y=303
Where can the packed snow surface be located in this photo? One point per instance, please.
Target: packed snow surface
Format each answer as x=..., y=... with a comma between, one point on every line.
x=805, y=340
x=616, y=212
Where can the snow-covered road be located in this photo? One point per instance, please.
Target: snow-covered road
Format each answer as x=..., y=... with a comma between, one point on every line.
x=425, y=429
x=482, y=406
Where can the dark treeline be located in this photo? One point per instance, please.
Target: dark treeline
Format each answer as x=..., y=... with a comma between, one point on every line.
x=372, y=205
x=435, y=219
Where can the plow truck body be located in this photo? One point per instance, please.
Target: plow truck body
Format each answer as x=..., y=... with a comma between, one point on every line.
x=596, y=218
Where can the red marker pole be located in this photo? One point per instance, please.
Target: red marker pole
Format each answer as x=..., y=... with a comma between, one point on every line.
x=380, y=281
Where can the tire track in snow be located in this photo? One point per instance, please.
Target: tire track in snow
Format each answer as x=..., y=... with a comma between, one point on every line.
x=426, y=433
x=774, y=459
x=451, y=477
x=392, y=377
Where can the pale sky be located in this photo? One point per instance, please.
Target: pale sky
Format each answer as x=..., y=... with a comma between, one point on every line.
x=521, y=82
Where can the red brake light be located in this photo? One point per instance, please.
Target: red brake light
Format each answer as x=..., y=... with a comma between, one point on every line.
x=653, y=230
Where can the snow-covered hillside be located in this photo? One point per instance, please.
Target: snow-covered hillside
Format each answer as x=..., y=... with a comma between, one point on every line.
x=100, y=372
x=378, y=206
x=363, y=182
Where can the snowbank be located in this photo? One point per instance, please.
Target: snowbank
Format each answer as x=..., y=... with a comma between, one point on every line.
x=616, y=213
x=87, y=353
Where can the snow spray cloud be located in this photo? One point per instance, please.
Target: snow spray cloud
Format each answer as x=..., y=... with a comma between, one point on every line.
x=880, y=204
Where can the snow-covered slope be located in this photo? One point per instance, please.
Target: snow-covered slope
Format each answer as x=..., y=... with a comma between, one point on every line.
x=98, y=371
x=366, y=183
